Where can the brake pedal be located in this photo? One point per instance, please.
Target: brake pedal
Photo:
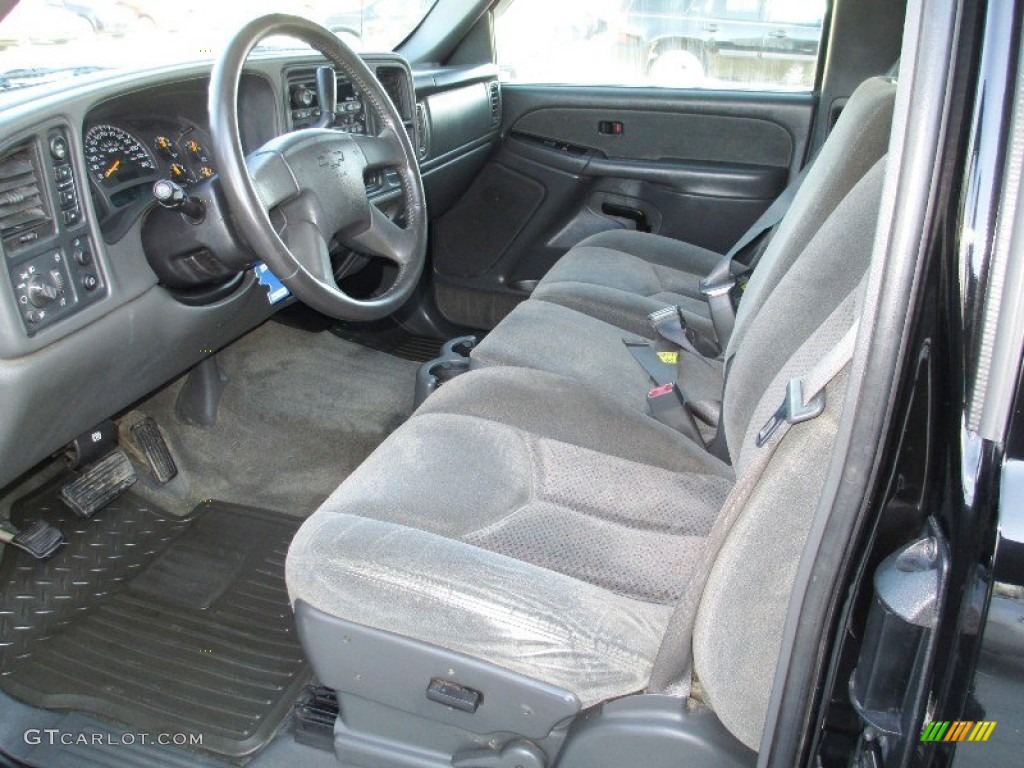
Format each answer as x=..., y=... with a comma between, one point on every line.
x=99, y=484
x=39, y=538
x=150, y=439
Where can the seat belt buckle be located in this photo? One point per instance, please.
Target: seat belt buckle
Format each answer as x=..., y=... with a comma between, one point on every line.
x=668, y=405
x=792, y=410
x=710, y=289
x=665, y=396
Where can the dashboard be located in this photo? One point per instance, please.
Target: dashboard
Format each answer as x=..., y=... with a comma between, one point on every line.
x=87, y=324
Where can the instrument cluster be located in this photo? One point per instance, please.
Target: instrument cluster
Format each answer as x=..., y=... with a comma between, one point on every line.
x=125, y=159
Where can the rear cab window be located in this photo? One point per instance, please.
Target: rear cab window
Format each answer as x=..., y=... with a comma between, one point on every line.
x=767, y=45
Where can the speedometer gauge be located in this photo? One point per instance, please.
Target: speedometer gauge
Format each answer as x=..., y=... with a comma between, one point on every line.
x=115, y=157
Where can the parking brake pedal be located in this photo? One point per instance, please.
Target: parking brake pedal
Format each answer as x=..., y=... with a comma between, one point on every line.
x=150, y=439
x=99, y=484
x=39, y=538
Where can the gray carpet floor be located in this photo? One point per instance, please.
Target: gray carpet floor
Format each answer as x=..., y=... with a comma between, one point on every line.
x=300, y=412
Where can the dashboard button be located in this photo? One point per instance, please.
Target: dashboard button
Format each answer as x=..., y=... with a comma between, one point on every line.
x=90, y=282
x=63, y=172
x=59, y=148
x=82, y=256
x=72, y=217
x=67, y=198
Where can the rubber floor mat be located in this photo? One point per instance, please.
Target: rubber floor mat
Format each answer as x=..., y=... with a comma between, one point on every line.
x=390, y=338
x=162, y=624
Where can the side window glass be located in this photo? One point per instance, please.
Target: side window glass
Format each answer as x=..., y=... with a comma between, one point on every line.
x=769, y=45
x=810, y=14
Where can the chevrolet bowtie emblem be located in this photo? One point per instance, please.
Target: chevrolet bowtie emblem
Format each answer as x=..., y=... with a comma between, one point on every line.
x=334, y=158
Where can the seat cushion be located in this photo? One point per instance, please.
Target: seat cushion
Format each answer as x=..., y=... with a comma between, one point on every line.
x=622, y=276
x=551, y=540
x=553, y=338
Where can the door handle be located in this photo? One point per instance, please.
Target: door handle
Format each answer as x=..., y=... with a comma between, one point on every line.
x=611, y=127
x=638, y=217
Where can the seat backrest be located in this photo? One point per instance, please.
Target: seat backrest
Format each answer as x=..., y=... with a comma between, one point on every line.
x=859, y=138
x=824, y=273
x=739, y=623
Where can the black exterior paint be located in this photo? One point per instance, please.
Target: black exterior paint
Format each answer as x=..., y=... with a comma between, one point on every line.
x=935, y=465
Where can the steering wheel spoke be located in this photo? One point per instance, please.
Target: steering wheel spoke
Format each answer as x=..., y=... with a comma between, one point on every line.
x=381, y=151
x=272, y=178
x=384, y=238
x=307, y=243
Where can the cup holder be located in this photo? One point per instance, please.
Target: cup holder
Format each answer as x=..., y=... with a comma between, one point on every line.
x=460, y=346
x=453, y=361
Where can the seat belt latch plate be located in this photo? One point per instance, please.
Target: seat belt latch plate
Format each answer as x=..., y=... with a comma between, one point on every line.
x=793, y=410
x=671, y=312
x=710, y=289
x=668, y=321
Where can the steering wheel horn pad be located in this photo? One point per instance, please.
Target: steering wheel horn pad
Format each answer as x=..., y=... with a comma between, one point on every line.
x=313, y=181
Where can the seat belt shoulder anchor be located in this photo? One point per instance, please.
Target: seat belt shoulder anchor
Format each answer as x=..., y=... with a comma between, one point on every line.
x=793, y=409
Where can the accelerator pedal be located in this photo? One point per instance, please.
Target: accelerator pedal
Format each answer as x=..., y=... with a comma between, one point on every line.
x=150, y=439
x=99, y=484
x=38, y=538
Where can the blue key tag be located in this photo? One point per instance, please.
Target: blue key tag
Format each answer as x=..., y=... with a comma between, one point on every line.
x=276, y=290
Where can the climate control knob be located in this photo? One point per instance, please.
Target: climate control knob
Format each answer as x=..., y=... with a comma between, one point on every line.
x=42, y=291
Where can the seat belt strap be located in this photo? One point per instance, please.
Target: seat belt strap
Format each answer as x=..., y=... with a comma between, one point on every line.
x=660, y=366
x=666, y=402
x=717, y=287
x=771, y=217
x=669, y=324
x=811, y=397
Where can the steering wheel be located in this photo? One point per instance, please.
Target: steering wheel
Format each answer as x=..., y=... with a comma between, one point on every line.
x=299, y=191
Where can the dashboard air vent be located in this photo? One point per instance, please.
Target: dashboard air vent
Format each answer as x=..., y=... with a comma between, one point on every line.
x=22, y=204
x=494, y=91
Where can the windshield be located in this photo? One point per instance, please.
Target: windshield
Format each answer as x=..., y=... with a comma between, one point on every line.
x=43, y=40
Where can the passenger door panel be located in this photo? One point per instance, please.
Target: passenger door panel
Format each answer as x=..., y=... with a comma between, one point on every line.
x=574, y=161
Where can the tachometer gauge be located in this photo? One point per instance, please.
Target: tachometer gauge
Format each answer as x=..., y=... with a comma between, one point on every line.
x=114, y=156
